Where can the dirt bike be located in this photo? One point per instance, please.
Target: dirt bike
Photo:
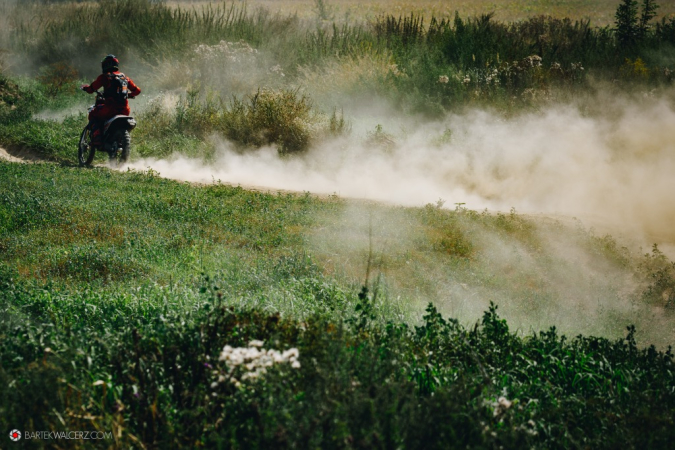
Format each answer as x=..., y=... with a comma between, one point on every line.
x=116, y=138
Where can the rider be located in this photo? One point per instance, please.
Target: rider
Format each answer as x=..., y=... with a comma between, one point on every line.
x=115, y=103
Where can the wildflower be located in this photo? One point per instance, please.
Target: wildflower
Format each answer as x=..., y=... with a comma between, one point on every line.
x=443, y=79
x=534, y=60
x=466, y=80
x=500, y=406
x=254, y=361
x=291, y=353
x=504, y=402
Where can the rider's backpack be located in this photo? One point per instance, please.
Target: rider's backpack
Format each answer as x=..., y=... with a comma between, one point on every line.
x=118, y=89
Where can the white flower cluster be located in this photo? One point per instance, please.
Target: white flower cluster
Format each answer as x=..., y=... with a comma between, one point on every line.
x=443, y=79
x=254, y=361
x=500, y=406
x=492, y=77
x=532, y=61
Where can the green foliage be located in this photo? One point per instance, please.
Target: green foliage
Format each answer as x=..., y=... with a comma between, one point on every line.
x=149, y=30
x=490, y=54
x=660, y=275
x=633, y=28
x=627, y=29
x=58, y=77
x=649, y=8
x=283, y=118
x=144, y=368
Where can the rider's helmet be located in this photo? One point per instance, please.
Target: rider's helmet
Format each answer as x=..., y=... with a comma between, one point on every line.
x=110, y=64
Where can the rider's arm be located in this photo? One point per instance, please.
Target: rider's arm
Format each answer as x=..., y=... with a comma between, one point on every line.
x=95, y=86
x=134, y=90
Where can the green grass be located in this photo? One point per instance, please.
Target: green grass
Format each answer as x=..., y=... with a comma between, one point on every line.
x=109, y=323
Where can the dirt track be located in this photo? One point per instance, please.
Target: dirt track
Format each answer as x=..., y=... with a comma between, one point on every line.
x=19, y=156
x=597, y=223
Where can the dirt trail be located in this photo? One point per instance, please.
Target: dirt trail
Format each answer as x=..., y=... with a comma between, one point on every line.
x=598, y=224
x=23, y=156
x=20, y=155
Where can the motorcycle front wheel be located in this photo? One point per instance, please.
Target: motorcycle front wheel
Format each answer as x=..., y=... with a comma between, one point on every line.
x=120, y=152
x=85, y=152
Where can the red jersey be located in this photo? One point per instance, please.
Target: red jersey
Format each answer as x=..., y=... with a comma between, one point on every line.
x=104, y=82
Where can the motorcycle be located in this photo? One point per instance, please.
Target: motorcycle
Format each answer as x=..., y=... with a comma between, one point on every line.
x=116, y=138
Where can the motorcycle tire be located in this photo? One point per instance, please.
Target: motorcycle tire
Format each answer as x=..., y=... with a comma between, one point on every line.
x=85, y=152
x=121, y=154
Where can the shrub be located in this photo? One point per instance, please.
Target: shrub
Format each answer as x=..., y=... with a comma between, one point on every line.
x=271, y=117
x=58, y=78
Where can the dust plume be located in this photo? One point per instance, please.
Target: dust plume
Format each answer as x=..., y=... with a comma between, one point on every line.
x=615, y=171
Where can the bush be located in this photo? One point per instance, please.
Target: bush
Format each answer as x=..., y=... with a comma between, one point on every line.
x=271, y=117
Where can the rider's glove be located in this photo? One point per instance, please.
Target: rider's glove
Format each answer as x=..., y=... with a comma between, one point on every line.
x=84, y=87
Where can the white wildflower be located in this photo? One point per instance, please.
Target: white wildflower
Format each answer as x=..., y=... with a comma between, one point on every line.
x=500, y=406
x=254, y=361
x=504, y=402
x=443, y=79
x=534, y=60
x=291, y=353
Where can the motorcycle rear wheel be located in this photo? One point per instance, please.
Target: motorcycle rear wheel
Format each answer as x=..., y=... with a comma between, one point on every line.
x=85, y=151
x=120, y=154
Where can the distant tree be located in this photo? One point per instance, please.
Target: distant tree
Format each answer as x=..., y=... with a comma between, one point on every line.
x=627, y=27
x=631, y=27
x=649, y=8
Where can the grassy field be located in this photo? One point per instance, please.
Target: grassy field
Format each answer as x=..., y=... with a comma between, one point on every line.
x=180, y=315
x=120, y=291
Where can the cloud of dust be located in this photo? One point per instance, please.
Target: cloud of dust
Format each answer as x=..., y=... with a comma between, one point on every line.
x=568, y=283
x=613, y=172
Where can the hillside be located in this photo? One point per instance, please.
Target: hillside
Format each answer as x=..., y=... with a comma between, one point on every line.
x=403, y=232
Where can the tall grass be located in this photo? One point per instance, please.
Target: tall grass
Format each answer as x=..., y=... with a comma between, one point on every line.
x=147, y=33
